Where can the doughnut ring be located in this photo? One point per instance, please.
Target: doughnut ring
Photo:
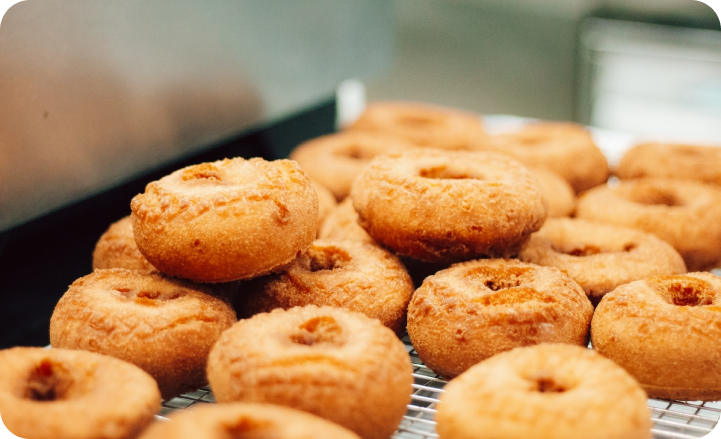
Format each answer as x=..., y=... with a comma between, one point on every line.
x=684, y=213
x=116, y=248
x=164, y=326
x=336, y=160
x=692, y=162
x=326, y=202
x=548, y=391
x=600, y=257
x=222, y=421
x=490, y=204
x=423, y=125
x=665, y=331
x=556, y=191
x=59, y=393
x=341, y=224
x=334, y=363
x=474, y=310
x=187, y=223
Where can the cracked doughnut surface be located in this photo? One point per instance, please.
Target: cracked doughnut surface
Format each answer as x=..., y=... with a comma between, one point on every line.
x=474, y=310
x=226, y=220
x=59, y=393
x=164, y=326
x=666, y=332
x=448, y=206
x=548, y=391
x=345, y=274
x=334, y=363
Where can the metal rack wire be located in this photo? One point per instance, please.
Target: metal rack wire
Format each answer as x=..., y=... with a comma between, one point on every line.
x=671, y=419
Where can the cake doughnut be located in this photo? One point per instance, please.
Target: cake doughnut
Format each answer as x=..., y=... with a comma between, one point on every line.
x=684, y=213
x=666, y=332
x=600, y=257
x=345, y=274
x=556, y=191
x=548, y=391
x=326, y=202
x=692, y=162
x=238, y=420
x=565, y=148
x=59, y=393
x=116, y=248
x=448, y=206
x=341, y=224
x=226, y=220
x=336, y=160
x=164, y=326
x=422, y=125
x=334, y=363
x=474, y=310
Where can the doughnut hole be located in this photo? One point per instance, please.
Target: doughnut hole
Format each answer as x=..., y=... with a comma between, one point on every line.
x=148, y=296
x=547, y=384
x=49, y=381
x=319, y=258
x=650, y=195
x=590, y=249
x=447, y=173
x=412, y=121
x=201, y=172
x=249, y=428
x=357, y=152
x=685, y=290
x=511, y=281
x=322, y=330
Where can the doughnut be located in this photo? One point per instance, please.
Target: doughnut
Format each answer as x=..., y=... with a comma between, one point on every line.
x=164, y=326
x=341, y=224
x=422, y=125
x=692, y=162
x=226, y=220
x=326, y=202
x=474, y=310
x=334, y=363
x=556, y=191
x=345, y=274
x=59, y=393
x=686, y=214
x=666, y=332
x=239, y=420
x=565, y=148
x=600, y=257
x=116, y=248
x=336, y=160
x=548, y=391
x=448, y=206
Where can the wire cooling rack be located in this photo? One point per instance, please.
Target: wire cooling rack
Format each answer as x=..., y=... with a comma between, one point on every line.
x=671, y=419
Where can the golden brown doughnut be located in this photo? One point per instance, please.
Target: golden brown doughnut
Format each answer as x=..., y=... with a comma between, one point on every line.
x=474, y=310
x=448, y=206
x=59, y=393
x=600, y=257
x=422, y=125
x=341, y=224
x=224, y=421
x=226, y=220
x=666, y=332
x=334, y=363
x=692, y=162
x=164, y=326
x=326, y=202
x=116, y=248
x=565, y=148
x=336, y=160
x=556, y=191
x=549, y=391
x=684, y=213
x=353, y=275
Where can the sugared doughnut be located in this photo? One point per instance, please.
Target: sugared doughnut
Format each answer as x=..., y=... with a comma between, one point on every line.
x=684, y=213
x=565, y=148
x=353, y=275
x=336, y=160
x=165, y=326
x=692, y=162
x=341, y=224
x=423, y=125
x=549, y=391
x=326, y=202
x=334, y=363
x=251, y=421
x=226, y=220
x=600, y=257
x=116, y=248
x=556, y=191
x=666, y=332
x=474, y=310
x=59, y=393
x=447, y=206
